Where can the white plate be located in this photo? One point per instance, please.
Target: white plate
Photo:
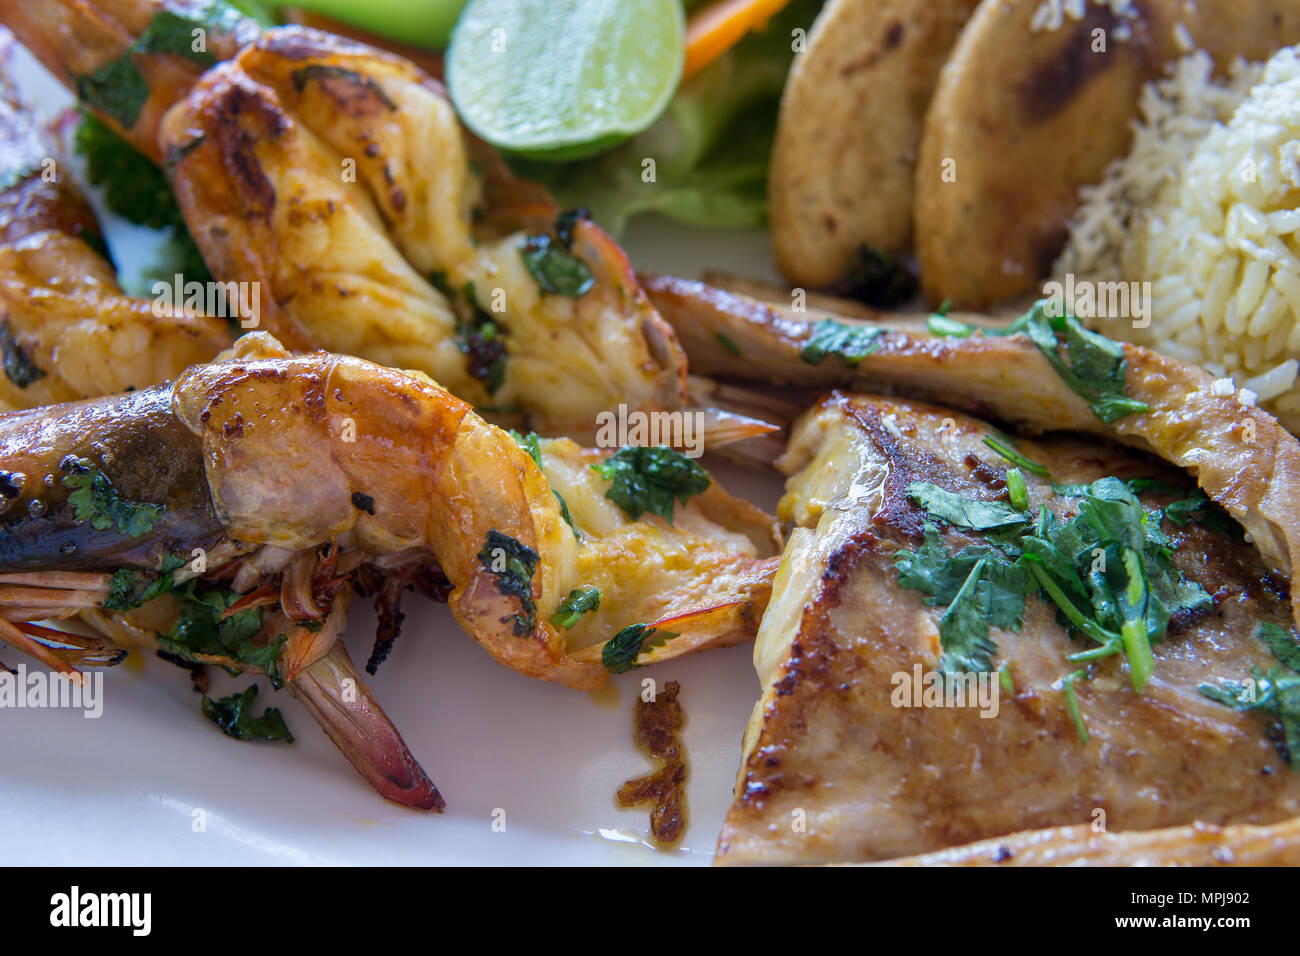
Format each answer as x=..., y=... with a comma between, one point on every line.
x=153, y=782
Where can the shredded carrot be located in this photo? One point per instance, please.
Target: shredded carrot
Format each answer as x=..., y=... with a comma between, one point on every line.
x=715, y=29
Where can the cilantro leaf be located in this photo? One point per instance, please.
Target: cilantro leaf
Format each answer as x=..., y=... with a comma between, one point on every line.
x=650, y=478
x=512, y=565
x=974, y=514
x=482, y=340
x=621, y=651
x=555, y=270
x=1281, y=641
x=93, y=499
x=203, y=627
x=234, y=715
x=848, y=343
x=579, y=602
x=1095, y=371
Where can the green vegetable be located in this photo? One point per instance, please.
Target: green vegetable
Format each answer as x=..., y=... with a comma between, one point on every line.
x=1275, y=694
x=848, y=343
x=234, y=715
x=94, y=499
x=620, y=652
x=964, y=512
x=1072, y=705
x=204, y=628
x=1017, y=490
x=727, y=342
x=945, y=327
x=555, y=270
x=649, y=479
x=137, y=190
x=878, y=279
x=1013, y=456
x=19, y=369
x=1108, y=571
x=480, y=338
x=579, y=602
x=119, y=89
x=710, y=149
x=529, y=444
x=1095, y=371
x=1005, y=680
x=128, y=589
x=561, y=81
x=512, y=564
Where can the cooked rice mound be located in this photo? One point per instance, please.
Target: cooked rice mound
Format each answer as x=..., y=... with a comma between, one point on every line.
x=1206, y=207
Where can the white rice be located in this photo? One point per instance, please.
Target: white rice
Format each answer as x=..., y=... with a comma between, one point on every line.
x=1051, y=14
x=1206, y=207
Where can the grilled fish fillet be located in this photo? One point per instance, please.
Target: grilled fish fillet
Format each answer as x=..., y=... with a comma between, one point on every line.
x=1241, y=456
x=833, y=771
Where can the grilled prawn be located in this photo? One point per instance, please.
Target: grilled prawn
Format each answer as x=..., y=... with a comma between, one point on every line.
x=273, y=482
x=338, y=178
x=67, y=330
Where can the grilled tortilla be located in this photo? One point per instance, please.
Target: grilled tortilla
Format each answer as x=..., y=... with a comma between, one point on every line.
x=850, y=124
x=1020, y=120
x=835, y=770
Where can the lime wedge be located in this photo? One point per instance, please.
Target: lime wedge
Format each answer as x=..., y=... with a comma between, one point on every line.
x=563, y=79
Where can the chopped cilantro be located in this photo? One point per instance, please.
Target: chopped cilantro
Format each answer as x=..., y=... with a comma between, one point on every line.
x=727, y=342
x=848, y=343
x=205, y=628
x=1013, y=456
x=94, y=499
x=512, y=564
x=482, y=341
x=234, y=715
x=19, y=368
x=1095, y=371
x=649, y=479
x=555, y=269
x=1017, y=490
x=529, y=443
x=969, y=513
x=1275, y=693
x=621, y=651
x=944, y=327
x=579, y=602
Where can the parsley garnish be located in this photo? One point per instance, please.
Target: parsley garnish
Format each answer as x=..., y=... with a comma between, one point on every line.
x=94, y=499
x=1108, y=571
x=1013, y=456
x=1275, y=694
x=555, y=269
x=579, y=602
x=234, y=715
x=529, y=443
x=119, y=89
x=19, y=369
x=964, y=512
x=512, y=564
x=204, y=628
x=621, y=651
x=127, y=590
x=649, y=479
x=482, y=341
x=1095, y=371
x=942, y=326
x=848, y=343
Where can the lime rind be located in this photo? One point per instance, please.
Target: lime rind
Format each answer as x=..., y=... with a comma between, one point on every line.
x=564, y=80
